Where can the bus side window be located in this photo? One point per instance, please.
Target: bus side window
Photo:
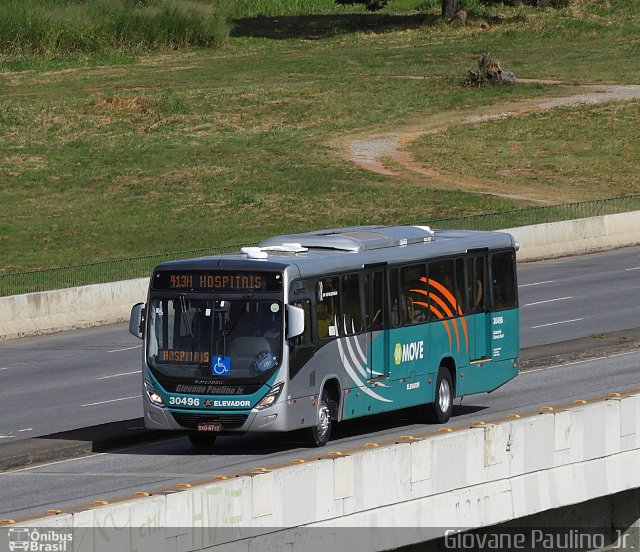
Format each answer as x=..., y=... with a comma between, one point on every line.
x=503, y=280
x=351, y=320
x=323, y=320
x=442, y=288
x=394, y=297
x=475, y=283
x=480, y=284
x=374, y=299
x=414, y=293
x=461, y=295
x=327, y=307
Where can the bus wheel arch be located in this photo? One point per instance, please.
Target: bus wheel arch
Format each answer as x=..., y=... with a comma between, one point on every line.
x=450, y=364
x=332, y=389
x=327, y=412
x=438, y=411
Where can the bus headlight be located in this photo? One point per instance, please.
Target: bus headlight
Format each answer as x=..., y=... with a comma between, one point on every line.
x=271, y=397
x=152, y=394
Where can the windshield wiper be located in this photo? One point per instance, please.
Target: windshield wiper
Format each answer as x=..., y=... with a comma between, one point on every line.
x=185, y=318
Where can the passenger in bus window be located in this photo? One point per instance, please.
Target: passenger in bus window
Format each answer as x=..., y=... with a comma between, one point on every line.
x=414, y=311
x=448, y=283
x=419, y=315
x=479, y=293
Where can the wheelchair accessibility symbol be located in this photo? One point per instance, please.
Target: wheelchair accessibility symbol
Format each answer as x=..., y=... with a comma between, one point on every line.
x=221, y=366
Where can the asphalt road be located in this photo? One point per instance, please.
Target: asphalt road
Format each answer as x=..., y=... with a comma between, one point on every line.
x=83, y=378
x=576, y=297
x=88, y=377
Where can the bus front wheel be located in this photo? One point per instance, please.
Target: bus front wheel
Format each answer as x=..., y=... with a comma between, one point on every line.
x=318, y=435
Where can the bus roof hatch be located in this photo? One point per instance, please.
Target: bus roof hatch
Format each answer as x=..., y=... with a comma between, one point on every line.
x=358, y=238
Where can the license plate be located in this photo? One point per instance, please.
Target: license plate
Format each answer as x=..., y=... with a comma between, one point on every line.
x=209, y=426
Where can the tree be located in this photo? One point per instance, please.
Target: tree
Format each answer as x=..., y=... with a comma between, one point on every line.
x=449, y=8
x=369, y=5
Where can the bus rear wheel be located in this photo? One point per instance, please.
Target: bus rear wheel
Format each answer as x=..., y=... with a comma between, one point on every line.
x=439, y=411
x=202, y=440
x=318, y=435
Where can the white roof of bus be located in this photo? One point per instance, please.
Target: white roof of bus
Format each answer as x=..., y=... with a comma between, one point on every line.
x=332, y=250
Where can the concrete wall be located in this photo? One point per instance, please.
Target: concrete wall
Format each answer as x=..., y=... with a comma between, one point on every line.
x=401, y=493
x=601, y=524
x=67, y=309
x=576, y=237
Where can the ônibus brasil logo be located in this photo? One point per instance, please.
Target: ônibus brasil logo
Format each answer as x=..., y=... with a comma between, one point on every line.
x=40, y=540
x=405, y=352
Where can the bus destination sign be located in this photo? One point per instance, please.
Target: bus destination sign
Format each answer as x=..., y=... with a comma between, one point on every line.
x=207, y=280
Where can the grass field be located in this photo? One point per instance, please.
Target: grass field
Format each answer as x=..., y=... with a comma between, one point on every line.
x=121, y=151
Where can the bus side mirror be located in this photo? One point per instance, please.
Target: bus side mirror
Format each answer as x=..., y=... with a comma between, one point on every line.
x=136, y=322
x=295, y=321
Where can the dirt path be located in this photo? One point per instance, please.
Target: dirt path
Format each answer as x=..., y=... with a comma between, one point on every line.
x=384, y=154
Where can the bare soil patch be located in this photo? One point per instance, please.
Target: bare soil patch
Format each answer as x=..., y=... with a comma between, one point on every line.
x=384, y=153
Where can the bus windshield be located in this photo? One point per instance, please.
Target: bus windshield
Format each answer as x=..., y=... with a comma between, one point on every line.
x=195, y=339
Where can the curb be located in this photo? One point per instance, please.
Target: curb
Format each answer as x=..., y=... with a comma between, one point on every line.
x=594, y=346
x=75, y=443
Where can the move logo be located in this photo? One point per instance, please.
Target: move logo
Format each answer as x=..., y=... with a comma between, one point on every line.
x=406, y=352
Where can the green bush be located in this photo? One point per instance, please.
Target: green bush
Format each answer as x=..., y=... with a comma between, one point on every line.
x=67, y=27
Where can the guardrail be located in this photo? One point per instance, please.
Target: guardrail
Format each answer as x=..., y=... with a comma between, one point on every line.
x=138, y=267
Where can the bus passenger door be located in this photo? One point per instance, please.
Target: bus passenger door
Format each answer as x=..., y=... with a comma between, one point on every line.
x=377, y=339
x=480, y=319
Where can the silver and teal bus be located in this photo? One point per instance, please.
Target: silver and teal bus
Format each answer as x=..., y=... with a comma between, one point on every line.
x=306, y=330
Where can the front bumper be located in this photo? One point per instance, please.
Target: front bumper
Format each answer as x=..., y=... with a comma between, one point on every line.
x=239, y=421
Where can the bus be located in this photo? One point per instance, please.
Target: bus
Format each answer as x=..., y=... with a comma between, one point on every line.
x=306, y=330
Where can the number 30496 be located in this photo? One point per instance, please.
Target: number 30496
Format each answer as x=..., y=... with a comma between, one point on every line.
x=184, y=401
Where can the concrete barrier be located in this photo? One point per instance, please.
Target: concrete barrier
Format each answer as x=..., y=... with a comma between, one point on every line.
x=80, y=307
x=466, y=478
x=577, y=237
x=68, y=309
